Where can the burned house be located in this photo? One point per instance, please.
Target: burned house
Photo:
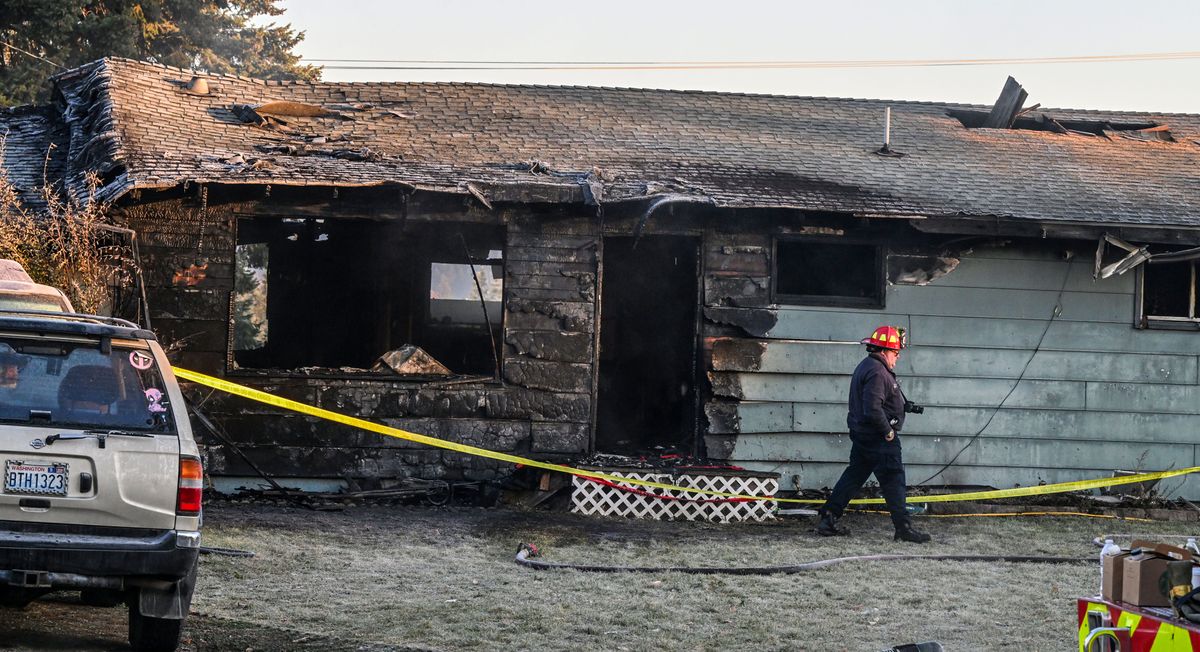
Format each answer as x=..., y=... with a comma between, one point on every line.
x=554, y=271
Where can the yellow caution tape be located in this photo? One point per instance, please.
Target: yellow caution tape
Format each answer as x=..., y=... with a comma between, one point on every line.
x=302, y=408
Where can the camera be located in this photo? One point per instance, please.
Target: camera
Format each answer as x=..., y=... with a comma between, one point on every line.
x=909, y=406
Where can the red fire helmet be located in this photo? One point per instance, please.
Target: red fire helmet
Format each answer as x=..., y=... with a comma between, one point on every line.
x=885, y=337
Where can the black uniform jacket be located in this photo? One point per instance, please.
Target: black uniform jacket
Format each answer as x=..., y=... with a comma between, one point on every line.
x=876, y=402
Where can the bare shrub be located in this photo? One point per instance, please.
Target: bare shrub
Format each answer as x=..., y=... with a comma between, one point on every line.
x=65, y=244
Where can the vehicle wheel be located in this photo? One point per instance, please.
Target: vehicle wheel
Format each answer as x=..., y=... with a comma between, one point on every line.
x=147, y=634
x=101, y=597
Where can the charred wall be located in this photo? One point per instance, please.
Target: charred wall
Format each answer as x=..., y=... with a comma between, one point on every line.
x=542, y=405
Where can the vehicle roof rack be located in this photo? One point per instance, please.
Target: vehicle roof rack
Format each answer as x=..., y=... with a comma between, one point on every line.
x=72, y=316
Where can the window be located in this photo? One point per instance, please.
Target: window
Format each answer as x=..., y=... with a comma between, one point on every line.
x=829, y=273
x=340, y=293
x=454, y=293
x=1168, y=296
x=82, y=385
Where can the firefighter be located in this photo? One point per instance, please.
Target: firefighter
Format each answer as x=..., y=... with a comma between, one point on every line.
x=875, y=418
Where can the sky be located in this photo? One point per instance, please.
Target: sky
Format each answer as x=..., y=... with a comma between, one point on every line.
x=800, y=30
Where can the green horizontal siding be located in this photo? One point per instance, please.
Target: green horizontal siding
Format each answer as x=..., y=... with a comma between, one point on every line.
x=1000, y=333
x=1128, y=397
x=986, y=451
x=1005, y=303
x=824, y=474
x=1098, y=338
x=793, y=357
x=953, y=392
x=1099, y=394
x=1014, y=422
x=1046, y=275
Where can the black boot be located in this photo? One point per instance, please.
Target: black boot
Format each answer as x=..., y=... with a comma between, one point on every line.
x=827, y=527
x=906, y=532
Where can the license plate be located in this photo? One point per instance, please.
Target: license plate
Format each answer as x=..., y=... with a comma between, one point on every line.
x=35, y=478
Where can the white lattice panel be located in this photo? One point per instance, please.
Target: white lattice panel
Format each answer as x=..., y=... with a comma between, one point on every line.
x=595, y=499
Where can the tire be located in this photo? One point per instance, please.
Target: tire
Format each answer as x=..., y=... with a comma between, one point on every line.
x=147, y=634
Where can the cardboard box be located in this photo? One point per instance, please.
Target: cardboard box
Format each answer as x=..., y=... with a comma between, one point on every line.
x=1114, y=575
x=1144, y=580
x=1174, y=552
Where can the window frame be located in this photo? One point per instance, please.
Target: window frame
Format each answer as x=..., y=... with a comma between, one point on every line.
x=419, y=282
x=784, y=298
x=1141, y=320
x=427, y=281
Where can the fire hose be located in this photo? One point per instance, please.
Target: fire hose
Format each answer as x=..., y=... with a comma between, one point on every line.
x=527, y=552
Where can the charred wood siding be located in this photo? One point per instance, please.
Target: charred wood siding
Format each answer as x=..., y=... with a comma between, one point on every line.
x=1098, y=395
x=543, y=406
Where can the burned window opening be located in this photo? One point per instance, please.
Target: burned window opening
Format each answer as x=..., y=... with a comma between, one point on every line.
x=1168, y=295
x=342, y=293
x=828, y=272
x=1043, y=122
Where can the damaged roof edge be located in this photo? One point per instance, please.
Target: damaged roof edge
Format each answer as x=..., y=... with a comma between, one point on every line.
x=573, y=193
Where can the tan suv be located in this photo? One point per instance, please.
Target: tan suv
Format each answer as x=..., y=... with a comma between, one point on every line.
x=19, y=292
x=101, y=477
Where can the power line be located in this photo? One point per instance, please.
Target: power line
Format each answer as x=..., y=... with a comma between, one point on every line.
x=30, y=54
x=460, y=64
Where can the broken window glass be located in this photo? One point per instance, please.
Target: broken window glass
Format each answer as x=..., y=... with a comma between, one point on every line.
x=340, y=293
x=824, y=272
x=1169, y=293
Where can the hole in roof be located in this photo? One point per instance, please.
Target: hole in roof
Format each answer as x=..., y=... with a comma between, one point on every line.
x=1042, y=122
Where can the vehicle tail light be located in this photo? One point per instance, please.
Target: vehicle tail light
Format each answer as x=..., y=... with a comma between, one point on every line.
x=191, y=486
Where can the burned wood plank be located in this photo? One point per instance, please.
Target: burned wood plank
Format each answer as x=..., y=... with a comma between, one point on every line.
x=161, y=272
x=546, y=268
x=551, y=239
x=209, y=335
x=757, y=264
x=577, y=281
x=722, y=417
x=446, y=402
x=220, y=239
x=176, y=256
x=572, y=316
x=478, y=194
x=190, y=303
x=559, y=437
x=551, y=376
x=725, y=384
x=745, y=292
x=756, y=322
x=1004, y=112
x=546, y=345
x=544, y=294
x=539, y=406
x=535, y=193
x=329, y=462
x=738, y=354
x=547, y=254
x=720, y=447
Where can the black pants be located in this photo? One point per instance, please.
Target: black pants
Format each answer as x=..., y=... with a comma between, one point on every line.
x=885, y=462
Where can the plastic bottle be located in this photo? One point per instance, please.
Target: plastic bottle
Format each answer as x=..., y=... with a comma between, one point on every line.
x=1191, y=545
x=1110, y=548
